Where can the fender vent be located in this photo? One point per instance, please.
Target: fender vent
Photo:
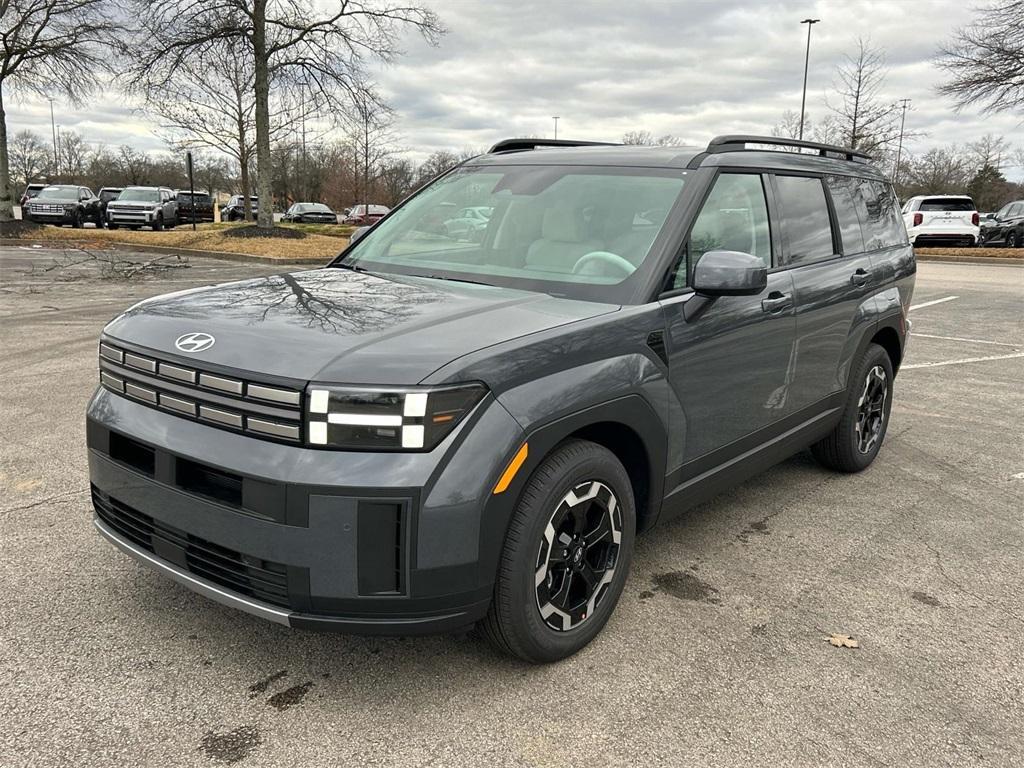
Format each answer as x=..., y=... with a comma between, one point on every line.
x=656, y=341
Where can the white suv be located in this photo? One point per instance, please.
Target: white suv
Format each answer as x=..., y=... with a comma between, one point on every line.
x=942, y=220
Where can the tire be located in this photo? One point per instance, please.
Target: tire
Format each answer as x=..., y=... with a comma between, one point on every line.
x=158, y=222
x=854, y=443
x=76, y=220
x=576, y=482
x=111, y=225
x=1013, y=240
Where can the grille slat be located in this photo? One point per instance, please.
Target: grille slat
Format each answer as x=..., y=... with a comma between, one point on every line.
x=266, y=581
x=262, y=410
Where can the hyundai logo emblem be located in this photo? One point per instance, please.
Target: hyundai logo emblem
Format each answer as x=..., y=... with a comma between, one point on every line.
x=194, y=342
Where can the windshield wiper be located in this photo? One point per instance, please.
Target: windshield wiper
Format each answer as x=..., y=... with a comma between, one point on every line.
x=352, y=267
x=456, y=279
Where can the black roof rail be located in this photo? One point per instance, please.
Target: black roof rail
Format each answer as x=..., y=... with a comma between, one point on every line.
x=518, y=145
x=739, y=144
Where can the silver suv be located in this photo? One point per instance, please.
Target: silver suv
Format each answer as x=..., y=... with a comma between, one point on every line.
x=135, y=207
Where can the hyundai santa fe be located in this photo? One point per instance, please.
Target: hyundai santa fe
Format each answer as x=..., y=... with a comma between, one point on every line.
x=431, y=432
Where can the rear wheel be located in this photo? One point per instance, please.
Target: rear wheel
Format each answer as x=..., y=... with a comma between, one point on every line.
x=566, y=555
x=854, y=443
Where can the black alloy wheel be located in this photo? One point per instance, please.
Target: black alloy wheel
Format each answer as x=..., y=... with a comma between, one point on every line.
x=1013, y=240
x=577, y=555
x=871, y=409
x=76, y=219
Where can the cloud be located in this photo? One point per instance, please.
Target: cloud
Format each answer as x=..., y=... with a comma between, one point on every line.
x=693, y=69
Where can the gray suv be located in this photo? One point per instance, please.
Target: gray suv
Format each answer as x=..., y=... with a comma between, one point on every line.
x=431, y=433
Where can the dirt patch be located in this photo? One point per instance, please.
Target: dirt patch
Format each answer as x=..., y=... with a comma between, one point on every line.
x=285, y=233
x=231, y=746
x=19, y=228
x=287, y=699
x=685, y=586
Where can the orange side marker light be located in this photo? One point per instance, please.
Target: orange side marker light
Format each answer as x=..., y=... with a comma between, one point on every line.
x=510, y=471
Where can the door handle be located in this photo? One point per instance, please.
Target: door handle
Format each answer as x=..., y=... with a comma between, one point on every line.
x=860, y=277
x=776, y=302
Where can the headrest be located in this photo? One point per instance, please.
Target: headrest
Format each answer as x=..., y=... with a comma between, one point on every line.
x=563, y=224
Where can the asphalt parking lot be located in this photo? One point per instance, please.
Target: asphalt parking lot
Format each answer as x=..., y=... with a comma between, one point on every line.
x=716, y=655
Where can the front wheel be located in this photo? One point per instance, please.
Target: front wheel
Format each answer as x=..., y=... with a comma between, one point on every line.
x=76, y=220
x=854, y=443
x=566, y=555
x=158, y=222
x=1013, y=240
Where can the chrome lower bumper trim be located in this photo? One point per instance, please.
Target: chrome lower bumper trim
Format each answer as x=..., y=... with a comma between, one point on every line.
x=263, y=610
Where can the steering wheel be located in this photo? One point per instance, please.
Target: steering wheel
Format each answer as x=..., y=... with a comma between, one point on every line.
x=604, y=257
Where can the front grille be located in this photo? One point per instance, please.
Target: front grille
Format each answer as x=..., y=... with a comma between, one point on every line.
x=251, y=576
x=45, y=208
x=258, y=409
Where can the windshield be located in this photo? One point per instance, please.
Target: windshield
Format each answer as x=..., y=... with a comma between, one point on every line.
x=566, y=230
x=58, y=193
x=141, y=195
x=106, y=195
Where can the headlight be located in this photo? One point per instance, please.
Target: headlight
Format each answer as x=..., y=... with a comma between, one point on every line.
x=70, y=207
x=407, y=418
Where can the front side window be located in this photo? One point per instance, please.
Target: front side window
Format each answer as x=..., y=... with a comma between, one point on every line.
x=568, y=230
x=806, y=226
x=733, y=218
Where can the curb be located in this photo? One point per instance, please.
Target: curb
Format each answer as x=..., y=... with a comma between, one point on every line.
x=172, y=251
x=994, y=260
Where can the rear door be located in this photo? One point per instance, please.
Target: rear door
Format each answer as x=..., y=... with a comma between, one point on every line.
x=824, y=252
x=729, y=367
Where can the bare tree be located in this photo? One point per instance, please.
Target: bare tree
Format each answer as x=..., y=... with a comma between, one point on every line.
x=49, y=46
x=646, y=138
x=29, y=157
x=985, y=60
x=865, y=120
x=990, y=150
x=318, y=51
x=73, y=153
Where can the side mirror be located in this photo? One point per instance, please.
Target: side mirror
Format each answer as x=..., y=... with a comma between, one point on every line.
x=729, y=273
x=724, y=273
x=990, y=216
x=357, y=234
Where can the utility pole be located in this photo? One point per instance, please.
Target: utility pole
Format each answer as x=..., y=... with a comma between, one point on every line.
x=53, y=130
x=56, y=153
x=555, y=118
x=807, y=60
x=899, y=146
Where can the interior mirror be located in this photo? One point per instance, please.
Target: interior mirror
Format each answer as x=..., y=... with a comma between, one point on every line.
x=356, y=234
x=729, y=273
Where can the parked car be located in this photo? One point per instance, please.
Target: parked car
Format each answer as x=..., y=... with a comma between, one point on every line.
x=942, y=220
x=30, y=191
x=310, y=213
x=202, y=207
x=363, y=215
x=63, y=204
x=468, y=223
x=428, y=434
x=106, y=194
x=235, y=210
x=1005, y=227
x=135, y=207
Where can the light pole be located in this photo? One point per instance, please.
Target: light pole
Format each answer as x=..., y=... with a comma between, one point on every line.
x=807, y=59
x=53, y=130
x=555, y=118
x=899, y=146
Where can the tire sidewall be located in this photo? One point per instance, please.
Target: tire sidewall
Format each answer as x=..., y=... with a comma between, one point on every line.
x=543, y=642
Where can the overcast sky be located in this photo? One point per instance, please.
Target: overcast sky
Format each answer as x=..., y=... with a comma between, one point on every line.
x=693, y=69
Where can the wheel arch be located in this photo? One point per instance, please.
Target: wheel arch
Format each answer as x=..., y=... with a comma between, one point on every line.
x=889, y=339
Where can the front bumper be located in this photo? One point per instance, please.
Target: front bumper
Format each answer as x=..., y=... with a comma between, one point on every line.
x=51, y=217
x=354, y=542
x=130, y=217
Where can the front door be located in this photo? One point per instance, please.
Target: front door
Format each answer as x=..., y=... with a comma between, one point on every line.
x=730, y=367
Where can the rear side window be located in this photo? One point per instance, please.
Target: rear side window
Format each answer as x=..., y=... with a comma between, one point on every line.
x=850, y=211
x=947, y=204
x=806, y=226
x=883, y=226
x=734, y=218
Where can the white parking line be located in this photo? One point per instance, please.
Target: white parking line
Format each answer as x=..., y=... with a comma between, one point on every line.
x=958, y=338
x=962, y=360
x=924, y=304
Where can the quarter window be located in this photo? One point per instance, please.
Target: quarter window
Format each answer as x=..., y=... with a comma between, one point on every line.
x=734, y=218
x=882, y=224
x=806, y=226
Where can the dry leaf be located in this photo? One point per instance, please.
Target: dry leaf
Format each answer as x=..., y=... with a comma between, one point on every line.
x=843, y=641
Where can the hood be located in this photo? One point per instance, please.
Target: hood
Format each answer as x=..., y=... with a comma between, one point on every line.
x=54, y=200
x=335, y=325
